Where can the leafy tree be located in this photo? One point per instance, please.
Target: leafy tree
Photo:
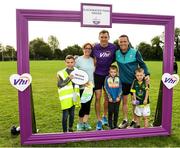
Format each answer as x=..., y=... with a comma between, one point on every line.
x=156, y=41
x=1, y=47
x=7, y=53
x=146, y=50
x=10, y=52
x=73, y=50
x=156, y=47
x=58, y=54
x=31, y=52
x=40, y=49
x=1, y=52
x=53, y=42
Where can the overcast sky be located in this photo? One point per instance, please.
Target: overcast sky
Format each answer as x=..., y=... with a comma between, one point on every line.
x=71, y=33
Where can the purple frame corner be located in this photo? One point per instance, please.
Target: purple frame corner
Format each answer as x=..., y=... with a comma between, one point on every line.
x=27, y=137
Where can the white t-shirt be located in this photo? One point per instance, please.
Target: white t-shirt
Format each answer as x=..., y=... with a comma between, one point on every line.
x=87, y=65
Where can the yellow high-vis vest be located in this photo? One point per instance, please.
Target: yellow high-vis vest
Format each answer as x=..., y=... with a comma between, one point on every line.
x=67, y=93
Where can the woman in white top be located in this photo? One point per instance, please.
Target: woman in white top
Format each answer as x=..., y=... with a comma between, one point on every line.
x=85, y=63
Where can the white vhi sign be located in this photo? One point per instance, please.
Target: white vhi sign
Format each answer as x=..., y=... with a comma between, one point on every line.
x=20, y=82
x=170, y=80
x=80, y=77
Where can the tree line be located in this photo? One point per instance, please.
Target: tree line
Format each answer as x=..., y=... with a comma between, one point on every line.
x=154, y=51
x=41, y=50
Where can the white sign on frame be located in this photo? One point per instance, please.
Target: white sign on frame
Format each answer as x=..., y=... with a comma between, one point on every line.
x=94, y=15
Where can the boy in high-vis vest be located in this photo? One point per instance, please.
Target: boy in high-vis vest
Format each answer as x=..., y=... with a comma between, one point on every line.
x=68, y=93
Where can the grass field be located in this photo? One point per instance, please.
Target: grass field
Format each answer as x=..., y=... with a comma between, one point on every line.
x=47, y=108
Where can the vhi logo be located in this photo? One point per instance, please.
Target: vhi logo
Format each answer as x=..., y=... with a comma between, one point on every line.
x=170, y=80
x=105, y=54
x=20, y=82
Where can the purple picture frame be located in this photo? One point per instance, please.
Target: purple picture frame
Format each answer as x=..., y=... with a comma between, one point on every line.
x=100, y=5
x=27, y=137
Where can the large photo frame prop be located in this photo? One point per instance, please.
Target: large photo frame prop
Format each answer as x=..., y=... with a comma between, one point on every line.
x=27, y=136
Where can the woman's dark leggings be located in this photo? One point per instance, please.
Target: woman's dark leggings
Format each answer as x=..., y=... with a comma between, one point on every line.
x=85, y=107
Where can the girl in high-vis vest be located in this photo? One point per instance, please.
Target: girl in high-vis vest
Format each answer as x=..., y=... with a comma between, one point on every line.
x=68, y=93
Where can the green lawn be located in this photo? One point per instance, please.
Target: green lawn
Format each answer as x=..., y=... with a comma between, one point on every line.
x=47, y=108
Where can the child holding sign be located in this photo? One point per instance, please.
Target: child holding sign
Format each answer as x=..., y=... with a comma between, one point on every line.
x=68, y=93
x=140, y=92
